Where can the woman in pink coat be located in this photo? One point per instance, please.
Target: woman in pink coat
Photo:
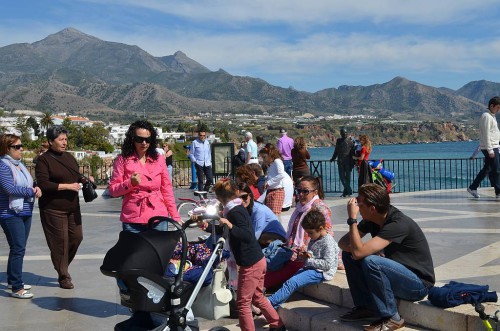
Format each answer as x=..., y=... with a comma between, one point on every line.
x=140, y=175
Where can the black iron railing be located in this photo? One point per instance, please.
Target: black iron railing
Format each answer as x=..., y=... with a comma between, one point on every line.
x=410, y=175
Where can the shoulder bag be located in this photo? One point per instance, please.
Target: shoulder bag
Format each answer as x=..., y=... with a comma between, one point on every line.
x=88, y=187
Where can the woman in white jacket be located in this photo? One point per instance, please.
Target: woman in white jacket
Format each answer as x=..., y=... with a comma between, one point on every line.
x=275, y=193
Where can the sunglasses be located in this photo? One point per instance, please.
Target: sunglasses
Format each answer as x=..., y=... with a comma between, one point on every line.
x=244, y=196
x=140, y=140
x=201, y=135
x=299, y=191
x=16, y=146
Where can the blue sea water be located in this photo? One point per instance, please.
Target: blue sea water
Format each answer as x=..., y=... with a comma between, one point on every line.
x=445, y=150
x=416, y=167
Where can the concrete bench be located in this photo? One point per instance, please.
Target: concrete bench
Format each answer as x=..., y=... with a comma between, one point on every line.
x=319, y=307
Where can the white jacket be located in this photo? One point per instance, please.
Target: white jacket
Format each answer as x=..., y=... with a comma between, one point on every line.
x=489, y=135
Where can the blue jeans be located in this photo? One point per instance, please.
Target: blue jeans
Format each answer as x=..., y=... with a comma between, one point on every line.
x=169, y=167
x=288, y=167
x=138, y=228
x=491, y=168
x=303, y=277
x=17, y=230
x=375, y=283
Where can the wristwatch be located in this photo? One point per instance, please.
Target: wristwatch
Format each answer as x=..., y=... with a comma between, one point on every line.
x=351, y=221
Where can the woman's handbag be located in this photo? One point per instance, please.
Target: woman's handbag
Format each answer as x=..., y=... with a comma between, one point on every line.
x=88, y=189
x=213, y=301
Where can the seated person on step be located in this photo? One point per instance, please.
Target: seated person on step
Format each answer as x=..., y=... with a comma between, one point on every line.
x=321, y=258
x=395, y=263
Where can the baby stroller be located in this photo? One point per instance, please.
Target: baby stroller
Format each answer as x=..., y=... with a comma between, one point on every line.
x=138, y=262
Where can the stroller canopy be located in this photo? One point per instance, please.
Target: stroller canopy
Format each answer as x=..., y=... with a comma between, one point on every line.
x=150, y=250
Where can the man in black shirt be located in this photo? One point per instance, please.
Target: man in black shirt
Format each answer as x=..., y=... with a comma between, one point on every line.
x=395, y=263
x=345, y=162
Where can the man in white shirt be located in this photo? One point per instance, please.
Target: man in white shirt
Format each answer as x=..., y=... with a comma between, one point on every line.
x=489, y=137
x=201, y=156
x=251, y=155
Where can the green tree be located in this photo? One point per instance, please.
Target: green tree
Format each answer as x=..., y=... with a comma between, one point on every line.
x=32, y=123
x=202, y=126
x=46, y=121
x=23, y=127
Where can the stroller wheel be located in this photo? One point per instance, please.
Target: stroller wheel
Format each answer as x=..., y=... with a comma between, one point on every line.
x=218, y=328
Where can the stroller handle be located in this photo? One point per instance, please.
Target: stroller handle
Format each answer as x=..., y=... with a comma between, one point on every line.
x=178, y=278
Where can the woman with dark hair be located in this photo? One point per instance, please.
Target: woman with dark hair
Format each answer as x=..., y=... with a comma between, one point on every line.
x=310, y=194
x=266, y=225
x=275, y=193
x=58, y=175
x=248, y=256
x=300, y=155
x=17, y=196
x=141, y=176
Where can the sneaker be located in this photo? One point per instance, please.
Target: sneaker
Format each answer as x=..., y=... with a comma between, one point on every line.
x=26, y=287
x=385, y=324
x=473, y=193
x=23, y=294
x=358, y=314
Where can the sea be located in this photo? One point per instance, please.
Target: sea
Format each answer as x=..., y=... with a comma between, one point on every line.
x=439, y=150
x=415, y=167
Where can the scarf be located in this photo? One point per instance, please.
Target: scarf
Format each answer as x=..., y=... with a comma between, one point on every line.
x=21, y=178
x=230, y=205
x=299, y=212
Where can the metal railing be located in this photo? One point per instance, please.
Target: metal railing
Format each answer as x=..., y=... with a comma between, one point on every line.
x=410, y=175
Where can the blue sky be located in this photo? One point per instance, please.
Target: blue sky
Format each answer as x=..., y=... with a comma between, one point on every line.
x=309, y=45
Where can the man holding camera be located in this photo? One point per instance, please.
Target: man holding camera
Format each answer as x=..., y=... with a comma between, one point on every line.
x=395, y=263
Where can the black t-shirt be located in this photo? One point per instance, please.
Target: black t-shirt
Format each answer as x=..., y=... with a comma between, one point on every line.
x=242, y=240
x=408, y=243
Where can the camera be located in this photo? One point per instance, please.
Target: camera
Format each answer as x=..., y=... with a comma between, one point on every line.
x=187, y=146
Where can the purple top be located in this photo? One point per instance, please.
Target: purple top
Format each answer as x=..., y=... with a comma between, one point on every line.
x=285, y=146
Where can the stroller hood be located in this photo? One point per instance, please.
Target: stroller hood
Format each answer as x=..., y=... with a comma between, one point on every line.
x=150, y=250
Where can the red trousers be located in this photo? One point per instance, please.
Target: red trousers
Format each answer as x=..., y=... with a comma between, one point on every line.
x=251, y=291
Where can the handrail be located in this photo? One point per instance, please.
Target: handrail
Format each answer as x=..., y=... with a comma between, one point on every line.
x=410, y=174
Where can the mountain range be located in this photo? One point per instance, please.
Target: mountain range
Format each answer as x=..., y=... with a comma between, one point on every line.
x=73, y=72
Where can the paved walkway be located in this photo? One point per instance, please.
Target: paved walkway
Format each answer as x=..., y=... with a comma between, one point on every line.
x=464, y=236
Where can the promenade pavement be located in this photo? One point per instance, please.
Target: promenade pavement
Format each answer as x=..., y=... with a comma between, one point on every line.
x=463, y=234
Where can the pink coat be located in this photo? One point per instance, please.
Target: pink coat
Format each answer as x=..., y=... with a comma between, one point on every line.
x=154, y=196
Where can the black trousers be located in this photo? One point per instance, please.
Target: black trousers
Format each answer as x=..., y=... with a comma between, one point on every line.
x=203, y=171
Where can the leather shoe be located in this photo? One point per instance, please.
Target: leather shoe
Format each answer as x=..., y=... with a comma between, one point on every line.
x=66, y=284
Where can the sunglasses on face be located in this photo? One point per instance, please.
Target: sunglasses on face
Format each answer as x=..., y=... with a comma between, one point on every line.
x=140, y=140
x=299, y=191
x=202, y=136
x=244, y=196
x=16, y=146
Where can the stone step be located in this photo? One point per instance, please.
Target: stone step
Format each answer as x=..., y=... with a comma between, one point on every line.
x=421, y=313
x=308, y=314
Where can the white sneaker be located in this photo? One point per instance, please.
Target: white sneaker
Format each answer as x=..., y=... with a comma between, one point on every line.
x=473, y=193
x=26, y=287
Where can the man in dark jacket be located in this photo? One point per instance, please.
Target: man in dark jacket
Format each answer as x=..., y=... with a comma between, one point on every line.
x=345, y=162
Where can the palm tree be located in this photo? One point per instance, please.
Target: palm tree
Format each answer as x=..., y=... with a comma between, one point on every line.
x=46, y=121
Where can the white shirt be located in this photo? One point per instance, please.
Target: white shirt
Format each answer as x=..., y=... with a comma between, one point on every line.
x=287, y=183
x=489, y=136
x=275, y=174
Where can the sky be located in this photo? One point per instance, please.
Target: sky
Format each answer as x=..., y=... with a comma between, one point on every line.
x=307, y=45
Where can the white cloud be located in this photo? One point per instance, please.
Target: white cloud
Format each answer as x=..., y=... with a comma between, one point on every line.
x=316, y=11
